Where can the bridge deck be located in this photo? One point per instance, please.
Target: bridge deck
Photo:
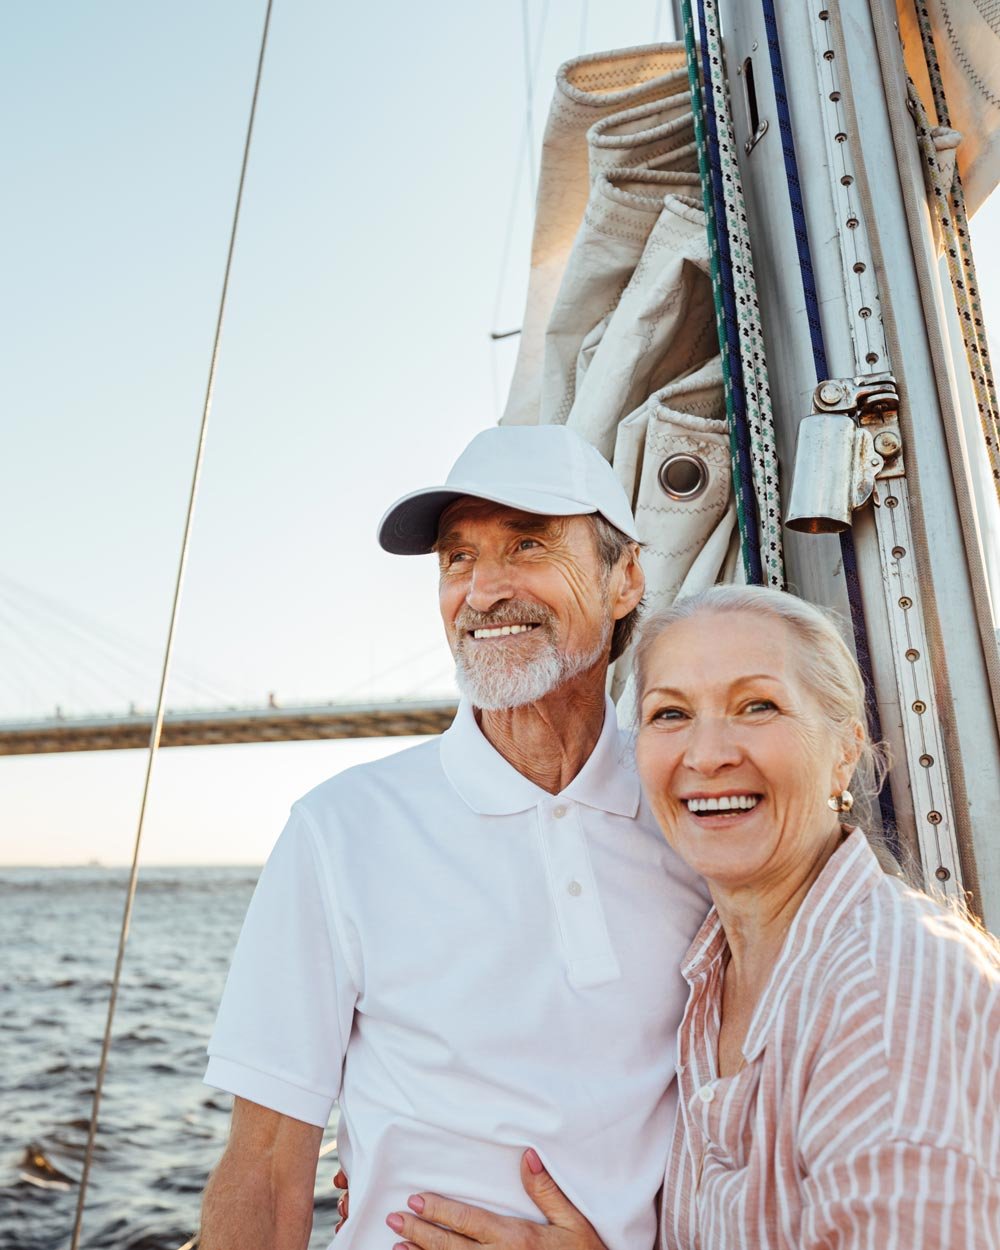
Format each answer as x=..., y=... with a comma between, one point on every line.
x=214, y=728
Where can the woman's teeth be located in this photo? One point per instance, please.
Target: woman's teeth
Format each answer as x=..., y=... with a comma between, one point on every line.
x=501, y=631
x=724, y=803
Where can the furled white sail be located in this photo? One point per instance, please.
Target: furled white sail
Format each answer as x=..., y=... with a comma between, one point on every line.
x=588, y=90
x=966, y=35
x=619, y=337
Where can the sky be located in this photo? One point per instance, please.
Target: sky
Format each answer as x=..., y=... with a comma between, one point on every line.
x=385, y=232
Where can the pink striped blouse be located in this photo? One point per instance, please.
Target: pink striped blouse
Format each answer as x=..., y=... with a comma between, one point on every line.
x=868, y=1110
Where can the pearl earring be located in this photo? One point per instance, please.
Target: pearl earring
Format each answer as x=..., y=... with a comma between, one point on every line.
x=842, y=802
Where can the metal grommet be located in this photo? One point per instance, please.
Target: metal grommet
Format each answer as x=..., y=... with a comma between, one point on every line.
x=683, y=476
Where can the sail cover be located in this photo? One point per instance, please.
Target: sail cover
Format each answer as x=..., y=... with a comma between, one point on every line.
x=966, y=37
x=619, y=338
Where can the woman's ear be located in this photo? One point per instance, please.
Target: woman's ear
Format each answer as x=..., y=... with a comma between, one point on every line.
x=853, y=746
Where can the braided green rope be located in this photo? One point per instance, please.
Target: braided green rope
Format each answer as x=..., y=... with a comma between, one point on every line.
x=713, y=252
x=949, y=202
x=760, y=418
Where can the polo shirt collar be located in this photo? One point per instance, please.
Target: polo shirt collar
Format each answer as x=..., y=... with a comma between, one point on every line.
x=492, y=787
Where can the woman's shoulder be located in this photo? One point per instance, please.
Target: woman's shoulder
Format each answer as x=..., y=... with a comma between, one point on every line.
x=913, y=983
x=892, y=928
x=922, y=944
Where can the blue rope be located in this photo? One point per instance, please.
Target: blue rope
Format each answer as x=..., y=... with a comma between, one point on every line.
x=847, y=550
x=754, y=568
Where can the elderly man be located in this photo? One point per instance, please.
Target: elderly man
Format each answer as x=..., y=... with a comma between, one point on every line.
x=473, y=944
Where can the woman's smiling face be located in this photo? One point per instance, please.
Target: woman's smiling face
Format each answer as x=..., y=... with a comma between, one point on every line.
x=735, y=756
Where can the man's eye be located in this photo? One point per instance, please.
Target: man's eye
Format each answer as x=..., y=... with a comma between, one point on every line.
x=526, y=543
x=456, y=557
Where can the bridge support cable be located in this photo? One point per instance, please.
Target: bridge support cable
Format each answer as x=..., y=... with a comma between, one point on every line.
x=154, y=737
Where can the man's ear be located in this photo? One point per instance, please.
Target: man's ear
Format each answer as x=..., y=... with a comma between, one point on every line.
x=630, y=583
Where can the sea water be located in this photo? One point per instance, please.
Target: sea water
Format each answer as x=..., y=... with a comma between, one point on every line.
x=161, y=1130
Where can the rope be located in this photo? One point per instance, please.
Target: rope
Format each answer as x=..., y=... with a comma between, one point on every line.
x=154, y=739
x=848, y=553
x=950, y=204
x=748, y=401
x=745, y=520
x=743, y=304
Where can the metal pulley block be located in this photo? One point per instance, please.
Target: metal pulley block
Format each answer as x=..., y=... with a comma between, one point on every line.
x=849, y=441
x=873, y=399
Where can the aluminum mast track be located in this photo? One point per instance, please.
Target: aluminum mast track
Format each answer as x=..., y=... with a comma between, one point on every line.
x=930, y=674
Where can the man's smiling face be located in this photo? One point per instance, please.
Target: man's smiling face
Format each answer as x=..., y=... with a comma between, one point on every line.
x=524, y=599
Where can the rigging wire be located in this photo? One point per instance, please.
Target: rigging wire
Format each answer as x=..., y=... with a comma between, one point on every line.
x=529, y=122
x=154, y=739
x=525, y=152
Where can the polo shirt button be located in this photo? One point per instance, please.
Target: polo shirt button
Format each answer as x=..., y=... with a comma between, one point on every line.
x=706, y=1093
x=560, y=811
x=574, y=888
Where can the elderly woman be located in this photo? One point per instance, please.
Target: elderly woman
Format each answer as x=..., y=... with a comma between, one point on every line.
x=839, y=1072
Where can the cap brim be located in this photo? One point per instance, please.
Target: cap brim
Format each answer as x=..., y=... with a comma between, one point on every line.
x=410, y=527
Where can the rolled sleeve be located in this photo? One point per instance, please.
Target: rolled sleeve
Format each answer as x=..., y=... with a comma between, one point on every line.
x=287, y=1009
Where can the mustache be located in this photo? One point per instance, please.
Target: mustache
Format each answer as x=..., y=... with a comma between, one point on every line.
x=510, y=612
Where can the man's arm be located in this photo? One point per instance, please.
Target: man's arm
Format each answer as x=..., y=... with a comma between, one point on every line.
x=260, y=1196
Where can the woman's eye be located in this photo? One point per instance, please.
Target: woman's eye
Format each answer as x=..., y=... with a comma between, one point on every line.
x=667, y=714
x=761, y=705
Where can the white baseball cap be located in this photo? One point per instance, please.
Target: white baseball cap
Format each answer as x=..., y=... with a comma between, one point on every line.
x=544, y=469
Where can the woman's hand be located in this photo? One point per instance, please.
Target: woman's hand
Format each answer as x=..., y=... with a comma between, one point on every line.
x=340, y=1182
x=436, y=1223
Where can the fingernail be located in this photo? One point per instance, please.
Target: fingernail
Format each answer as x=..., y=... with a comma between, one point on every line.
x=415, y=1203
x=395, y=1222
x=534, y=1163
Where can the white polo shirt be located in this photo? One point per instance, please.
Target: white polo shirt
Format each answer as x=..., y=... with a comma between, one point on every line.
x=472, y=966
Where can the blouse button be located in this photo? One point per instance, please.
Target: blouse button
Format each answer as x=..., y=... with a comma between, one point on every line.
x=706, y=1093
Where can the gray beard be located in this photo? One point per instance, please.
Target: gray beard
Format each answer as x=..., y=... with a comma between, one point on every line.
x=493, y=681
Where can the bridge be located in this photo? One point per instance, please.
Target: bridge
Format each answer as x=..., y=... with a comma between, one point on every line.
x=60, y=664
x=200, y=727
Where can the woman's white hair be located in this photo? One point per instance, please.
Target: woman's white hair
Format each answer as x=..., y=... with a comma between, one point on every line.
x=828, y=669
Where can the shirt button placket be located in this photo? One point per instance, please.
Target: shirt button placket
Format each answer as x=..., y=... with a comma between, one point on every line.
x=575, y=895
